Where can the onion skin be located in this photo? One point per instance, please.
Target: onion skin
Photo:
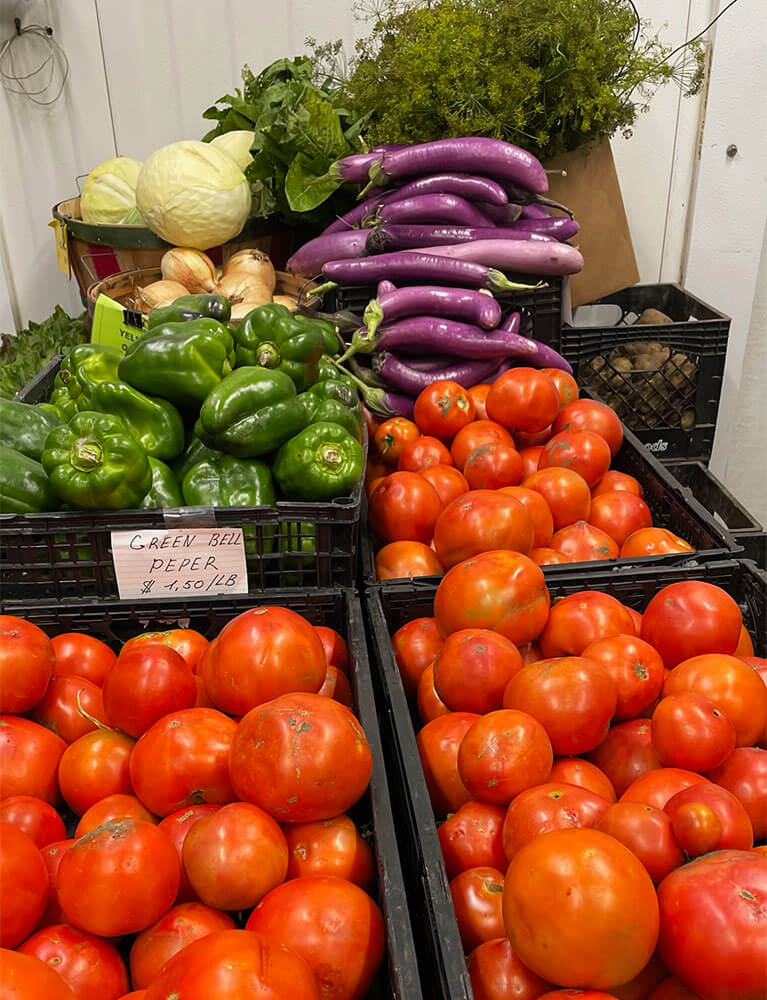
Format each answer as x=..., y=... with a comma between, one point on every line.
x=237, y=286
x=160, y=293
x=191, y=268
x=256, y=263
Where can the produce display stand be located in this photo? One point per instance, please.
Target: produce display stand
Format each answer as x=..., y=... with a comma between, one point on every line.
x=116, y=621
x=387, y=609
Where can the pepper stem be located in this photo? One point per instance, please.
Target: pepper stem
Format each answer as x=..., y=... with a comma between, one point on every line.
x=268, y=355
x=86, y=455
x=330, y=456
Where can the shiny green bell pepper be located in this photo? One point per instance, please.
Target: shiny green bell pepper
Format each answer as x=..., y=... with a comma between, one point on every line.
x=327, y=369
x=194, y=452
x=321, y=462
x=188, y=307
x=165, y=490
x=226, y=481
x=155, y=423
x=63, y=403
x=333, y=401
x=24, y=486
x=86, y=366
x=25, y=427
x=273, y=337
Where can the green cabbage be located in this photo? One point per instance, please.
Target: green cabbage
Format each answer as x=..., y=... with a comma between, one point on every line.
x=109, y=193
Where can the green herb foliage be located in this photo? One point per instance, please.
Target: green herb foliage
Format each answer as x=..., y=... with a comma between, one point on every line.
x=23, y=356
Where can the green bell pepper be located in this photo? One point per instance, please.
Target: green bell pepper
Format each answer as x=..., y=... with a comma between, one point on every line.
x=321, y=462
x=181, y=362
x=334, y=402
x=250, y=413
x=327, y=369
x=188, y=307
x=63, y=403
x=155, y=423
x=24, y=486
x=226, y=481
x=165, y=490
x=194, y=452
x=273, y=337
x=95, y=462
x=86, y=366
x=25, y=427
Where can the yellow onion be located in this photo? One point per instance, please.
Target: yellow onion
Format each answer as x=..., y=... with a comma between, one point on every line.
x=286, y=300
x=241, y=309
x=255, y=262
x=191, y=268
x=240, y=285
x=159, y=293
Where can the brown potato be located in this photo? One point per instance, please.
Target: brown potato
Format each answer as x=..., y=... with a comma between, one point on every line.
x=650, y=316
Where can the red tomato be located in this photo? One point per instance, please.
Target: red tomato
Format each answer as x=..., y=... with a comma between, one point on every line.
x=616, y=482
x=438, y=744
x=110, y=809
x=689, y=731
x=188, y=643
x=183, y=760
x=94, y=766
x=502, y=754
x=548, y=557
x=430, y=705
x=655, y=788
x=584, y=452
x=422, y=453
x=523, y=399
x=635, y=667
x=590, y=415
x=626, y=753
x=566, y=385
x=472, y=669
x=476, y=435
x=332, y=924
x=577, y=995
x=146, y=683
x=546, y=807
x=230, y=965
x=52, y=855
x=92, y=967
x=173, y=932
x=478, y=902
x=392, y=436
x=566, y=493
x=177, y=826
x=415, y=645
x=672, y=989
x=29, y=759
x=27, y=978
x=580, y=619
x=330, y=847
x=301, y=758
x=24, y=879
x=375, y=471
x=718, y=898
x=619, y=514
x=480, y=521
x=290, y=658
x=697, y=828
x=574, y=771
x=472, y=837
x=478, y=395
x=523, y=440
x=581, y=908
x=653, y=542
x=334, y=645
x=36, y=817
x=530, y=457
x=691, y=618
x=404, y=507
x=496, y=973
x=538, y=509
x=636, y=618
x=647, y=832
x=744, y=773
x=443, y=408
x=500, y=590
x=493, y=466
x=582, y=542
x=399, y=560
x=234, y=856
x=80, y=655
x=745, y=646
x=736, y=833
x=447, y=481
x=26, y=664
x=59, y=709
x=336, y=686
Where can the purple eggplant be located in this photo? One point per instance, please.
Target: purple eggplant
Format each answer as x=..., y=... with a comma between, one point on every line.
x=501, y=215
x=353, y=218
x=432, y=364
x=413, y=267
x=558, y=228
x=464, y=185
x=525, y=257
x=426, y=335
x=428, y=208
x=354, y=169
x=312, y=256
x=521, y=196
x=407, y=379
x=384, y=287
x=466, y=304
x=380, y=399
x=534, y=211
x=386, y=238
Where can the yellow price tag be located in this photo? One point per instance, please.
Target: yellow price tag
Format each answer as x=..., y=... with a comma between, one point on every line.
x=62, y=247
x=115, y=325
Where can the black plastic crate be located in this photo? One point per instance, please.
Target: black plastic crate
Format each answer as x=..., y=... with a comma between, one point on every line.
x=115, y=621
x=39, y=388
x=431, y=909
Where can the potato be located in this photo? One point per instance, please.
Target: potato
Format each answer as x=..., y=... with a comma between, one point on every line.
x=688, y=419
x=650, y=316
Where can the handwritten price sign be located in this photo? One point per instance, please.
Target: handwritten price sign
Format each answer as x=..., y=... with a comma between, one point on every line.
x=180, y=562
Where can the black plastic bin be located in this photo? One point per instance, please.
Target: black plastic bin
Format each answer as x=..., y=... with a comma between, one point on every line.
x=115, y=621
x=431, y=909
x=39, y=388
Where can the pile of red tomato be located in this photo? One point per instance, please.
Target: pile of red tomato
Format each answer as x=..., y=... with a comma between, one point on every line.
x=522, y=464
x=585, y=760
x=207, y=784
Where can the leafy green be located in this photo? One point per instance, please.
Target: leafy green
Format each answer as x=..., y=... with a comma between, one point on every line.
x=23, y=356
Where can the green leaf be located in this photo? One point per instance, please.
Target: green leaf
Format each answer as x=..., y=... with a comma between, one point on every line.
x=308, y=184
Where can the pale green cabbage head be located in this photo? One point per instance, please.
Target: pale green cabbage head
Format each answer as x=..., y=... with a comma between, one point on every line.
x=237, y=145
x=193, y=195
x=109, y=193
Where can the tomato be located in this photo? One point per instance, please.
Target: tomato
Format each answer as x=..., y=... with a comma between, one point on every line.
x=472, y=837
x=146, y=683
x=689, y=731
x=335, y=927
x=422, y=453
x=443, y=408
x=566, y=493
x=173, y=932
x=81, y=655
x=502, y=754
x=26, y=664
x=177, y=826
x=566, y=385
x=626, y=753
x=336, y=686
x=619, y=514
x=672, y=989
x=476, y=435
x=52, y=855
x=290, y=658
x=415, y=645
x=653, y=542
x=24, y=879
x=183, y=760
x=655, y=788
x=523, y=399
x=334, y=645
x=538, y=509
x=27, y=978
x=580, y=619
x=582, y=542
x=530, y=653
x=29, y=759
x=230, y=965
x=548, y=557
x=392, y=436
x=94, y=766
x=584, y=452
x=500, y=590
x=530, y=457
x=635, y=667
x=573, y=698
x=745, y=645
x=398, y=560
x=493, y=466
x=546, y=807
x=574, y=771
x=404, y=507
x=477, y=895
x=616, y=482
x=734, y=688
x=719, y=898
x=581, y=908
x=539, y=438
x=590, y=415
x=92, y=967
x=36, y=817
x=113, y=807
x=697, y=828
x=496, y=973
x=636, y=618
x=472, y=669
x=448, y=481
x=478, y=395
x=736, y=833
x=438, y=743
x=480, y=521
x=59, y=709
x=640, y=986
x=744, y=773
x=577, y=995
x=187, y=642
x=647, y=832
x=375, y=471
x=430, y=705
x=330, y=847
x=301, y=758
